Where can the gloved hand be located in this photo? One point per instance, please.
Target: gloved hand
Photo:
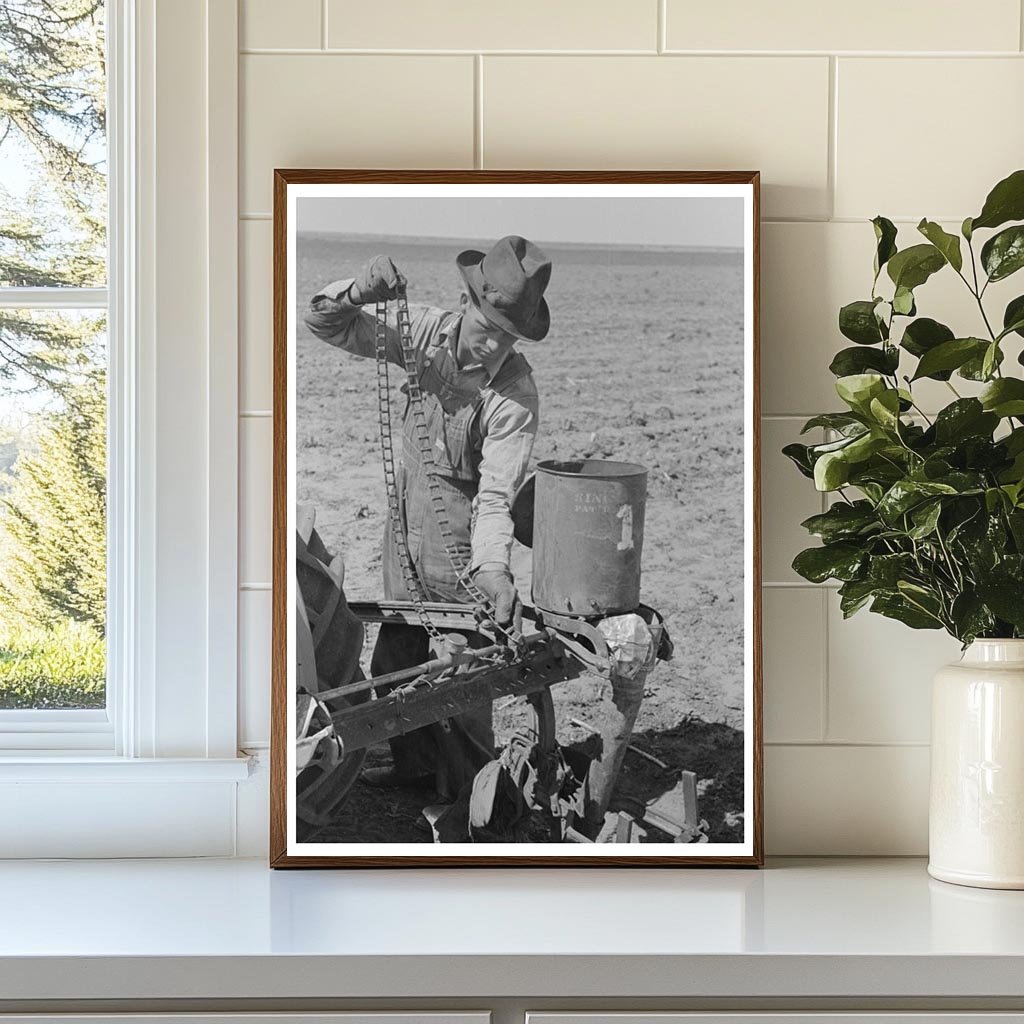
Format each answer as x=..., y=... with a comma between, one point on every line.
x=497, y=584
x=378, y=281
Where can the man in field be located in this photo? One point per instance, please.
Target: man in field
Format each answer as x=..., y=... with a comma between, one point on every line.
x=481, y=409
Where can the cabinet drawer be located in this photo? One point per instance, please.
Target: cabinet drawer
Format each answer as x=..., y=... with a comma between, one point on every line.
x=356, y=1017
x=790, y=1017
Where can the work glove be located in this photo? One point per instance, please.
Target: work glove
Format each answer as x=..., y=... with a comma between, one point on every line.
x=378, y=281
x=497, y=586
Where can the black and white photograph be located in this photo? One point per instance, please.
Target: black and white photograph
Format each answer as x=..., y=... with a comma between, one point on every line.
x=516, y=615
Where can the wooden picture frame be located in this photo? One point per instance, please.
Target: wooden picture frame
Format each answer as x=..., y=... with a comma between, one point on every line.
x=721, y=292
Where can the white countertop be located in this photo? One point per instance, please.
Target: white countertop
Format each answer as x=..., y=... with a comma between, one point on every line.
x=234, y=929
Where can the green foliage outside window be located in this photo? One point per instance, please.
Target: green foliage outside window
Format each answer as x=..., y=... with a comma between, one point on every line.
x=52, y=365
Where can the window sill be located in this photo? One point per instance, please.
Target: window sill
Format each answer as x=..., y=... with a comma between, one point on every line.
x=78, y=766
x=76, y=805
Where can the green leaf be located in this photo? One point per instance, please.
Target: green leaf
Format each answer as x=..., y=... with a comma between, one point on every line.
x=885, y=470
x=885, y=237
x=925, y=518
x=831, y=471
x=982, y=538
x=841, y=421
x=1013, y=474
x=872, y=491
x=963, y=482
x=1015, y=518
x=858, y=389
x=906, y=494
x=799, y=455
x=947, y=244
x=818, y=450
x=897, y=607
x=887, y=570
x=923, y=335
x=903, y=302
x=1005, y=202
x=1004, y=594
x=966, y=417
x=885, y=409
x=950, y=355
x=1004, y=397
x=1014, y=441
x=864, y=446
x=971, y=617
x=1003, y=254
x=994, y=499
x=857, y=321
x=912, y=267
x=842, y=521
x=849, y=361
x=974, y=368
x=855, y=594
x=990, y=360
x=841, y=561
x=1013, y=317
x=966, y=229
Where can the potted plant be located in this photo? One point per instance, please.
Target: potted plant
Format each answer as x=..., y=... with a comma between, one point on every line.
x=927, y=521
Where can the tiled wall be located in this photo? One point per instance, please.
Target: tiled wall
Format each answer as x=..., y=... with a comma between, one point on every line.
x=906, y=109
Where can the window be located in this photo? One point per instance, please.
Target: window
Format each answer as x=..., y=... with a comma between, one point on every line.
x=164, y=136
x=53, y=367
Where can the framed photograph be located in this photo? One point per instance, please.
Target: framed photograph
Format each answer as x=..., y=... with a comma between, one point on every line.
x=516, y=608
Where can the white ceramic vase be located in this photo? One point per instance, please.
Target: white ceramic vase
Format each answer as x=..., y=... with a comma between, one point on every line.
x=976, y=815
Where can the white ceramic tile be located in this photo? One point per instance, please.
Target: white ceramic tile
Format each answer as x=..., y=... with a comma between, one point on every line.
x=787, y=499
x=272, y=24
x=808, y=271
x=961, y=130
x=471, y=25
x=794, y=663
x=254, y=611
x=351, y=111
x=846, y=801
x=691, y=113
x=880, y=676
x=868, y=25
x=255, y=506
x=255, y=323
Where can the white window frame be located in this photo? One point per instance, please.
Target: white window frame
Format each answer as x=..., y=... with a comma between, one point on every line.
x=72, y=729
x=169, y=736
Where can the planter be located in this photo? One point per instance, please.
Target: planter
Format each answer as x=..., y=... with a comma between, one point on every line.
x=976, y=816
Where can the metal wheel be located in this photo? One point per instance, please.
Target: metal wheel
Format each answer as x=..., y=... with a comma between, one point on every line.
x=329, y=640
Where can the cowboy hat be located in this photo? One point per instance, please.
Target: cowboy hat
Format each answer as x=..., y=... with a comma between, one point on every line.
x=507, y=285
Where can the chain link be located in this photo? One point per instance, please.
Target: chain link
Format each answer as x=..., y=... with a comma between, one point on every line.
x=415, y=395
x=412, y=580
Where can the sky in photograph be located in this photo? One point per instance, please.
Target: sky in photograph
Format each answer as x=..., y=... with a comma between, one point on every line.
x=678, y=222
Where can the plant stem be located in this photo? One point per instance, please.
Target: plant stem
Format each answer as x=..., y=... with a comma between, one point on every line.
x=953, y=567
x=974, y=269
x=924, y=415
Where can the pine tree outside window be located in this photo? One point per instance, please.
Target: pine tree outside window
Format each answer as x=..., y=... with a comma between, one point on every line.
x=53, y=365
x=150, y=301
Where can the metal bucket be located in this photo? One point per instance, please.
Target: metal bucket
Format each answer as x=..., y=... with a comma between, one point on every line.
x=588, y=536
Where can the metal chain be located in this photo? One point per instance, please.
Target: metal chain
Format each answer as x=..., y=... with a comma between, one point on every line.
x=412, y=581
x=415, y=394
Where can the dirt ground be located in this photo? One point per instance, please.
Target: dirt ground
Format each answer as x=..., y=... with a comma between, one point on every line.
x=644, y=363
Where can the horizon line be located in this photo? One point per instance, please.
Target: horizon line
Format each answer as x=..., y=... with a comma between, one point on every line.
x=360, y=236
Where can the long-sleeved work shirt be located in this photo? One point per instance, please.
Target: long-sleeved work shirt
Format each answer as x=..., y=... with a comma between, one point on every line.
x=509, y=409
